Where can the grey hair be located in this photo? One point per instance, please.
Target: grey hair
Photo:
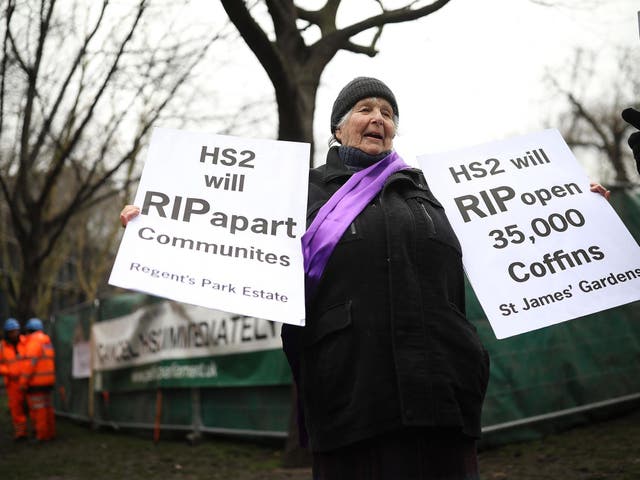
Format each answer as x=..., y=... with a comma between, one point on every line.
x=333, y=140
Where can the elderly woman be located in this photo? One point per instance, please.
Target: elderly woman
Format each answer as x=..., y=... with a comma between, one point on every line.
x=391, y=375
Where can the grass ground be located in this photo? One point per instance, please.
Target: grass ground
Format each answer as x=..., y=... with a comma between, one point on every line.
x=601, y=451
x=607, y=450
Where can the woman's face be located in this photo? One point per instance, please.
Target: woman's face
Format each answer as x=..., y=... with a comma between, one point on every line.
x=369, y=127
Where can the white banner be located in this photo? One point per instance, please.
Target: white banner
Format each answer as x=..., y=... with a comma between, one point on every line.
x=81, y=360
x=220, y=224
x=538, y=247
x=171, y=330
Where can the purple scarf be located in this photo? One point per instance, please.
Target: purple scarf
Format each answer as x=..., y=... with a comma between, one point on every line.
x=337, y=214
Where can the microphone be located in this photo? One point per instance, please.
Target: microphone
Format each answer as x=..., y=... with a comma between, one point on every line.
x=632, y=117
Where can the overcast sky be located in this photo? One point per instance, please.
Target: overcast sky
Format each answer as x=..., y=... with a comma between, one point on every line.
x=467, y=74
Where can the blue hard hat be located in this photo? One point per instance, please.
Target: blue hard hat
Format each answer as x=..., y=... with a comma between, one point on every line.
x=34, y=324
x=11, y=324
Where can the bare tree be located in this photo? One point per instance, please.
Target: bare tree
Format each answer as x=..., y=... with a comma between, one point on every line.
x=293, y=66
x=81, y=85
x=590, y=122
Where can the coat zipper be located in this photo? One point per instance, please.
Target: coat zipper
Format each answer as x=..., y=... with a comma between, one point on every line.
x=432, y=226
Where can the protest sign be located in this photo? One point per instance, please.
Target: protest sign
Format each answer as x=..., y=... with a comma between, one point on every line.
x=220, y=224
x=538, y=247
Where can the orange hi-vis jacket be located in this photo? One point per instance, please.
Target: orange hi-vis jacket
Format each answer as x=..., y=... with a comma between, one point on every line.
x=39, y=367
x=12, y=360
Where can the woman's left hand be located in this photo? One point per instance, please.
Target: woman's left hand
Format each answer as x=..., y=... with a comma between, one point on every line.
x=596, y=187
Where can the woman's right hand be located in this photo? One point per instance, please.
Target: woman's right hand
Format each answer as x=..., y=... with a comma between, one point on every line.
x=127, y=213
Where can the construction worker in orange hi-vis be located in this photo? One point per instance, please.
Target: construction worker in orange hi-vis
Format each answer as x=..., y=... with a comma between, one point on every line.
x=38, y=379
x=11, y=358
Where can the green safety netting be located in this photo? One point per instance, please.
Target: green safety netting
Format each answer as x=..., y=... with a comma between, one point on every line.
x=540, y=381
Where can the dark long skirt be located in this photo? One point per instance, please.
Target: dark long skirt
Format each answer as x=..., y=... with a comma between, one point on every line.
x=421, y=454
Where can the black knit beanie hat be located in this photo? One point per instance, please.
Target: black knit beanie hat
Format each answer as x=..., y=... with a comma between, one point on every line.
x=356, y=90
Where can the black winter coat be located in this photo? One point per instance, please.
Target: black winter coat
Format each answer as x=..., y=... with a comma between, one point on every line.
x=386, y=342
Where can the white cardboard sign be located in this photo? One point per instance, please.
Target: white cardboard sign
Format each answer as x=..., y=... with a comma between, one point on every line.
x=81, y=360
x=538, y=247
x=220, y=225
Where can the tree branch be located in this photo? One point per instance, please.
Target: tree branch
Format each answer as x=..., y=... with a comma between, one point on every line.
x=83, y=197
x=59, y=163
x=3, y=66
x=587, y=116
x=46, y=125
x=399, y=15
x=284, y=14
x=256, y=39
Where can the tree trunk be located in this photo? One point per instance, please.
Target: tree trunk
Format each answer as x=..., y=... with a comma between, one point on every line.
x=297, y=101
x=28, y=290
